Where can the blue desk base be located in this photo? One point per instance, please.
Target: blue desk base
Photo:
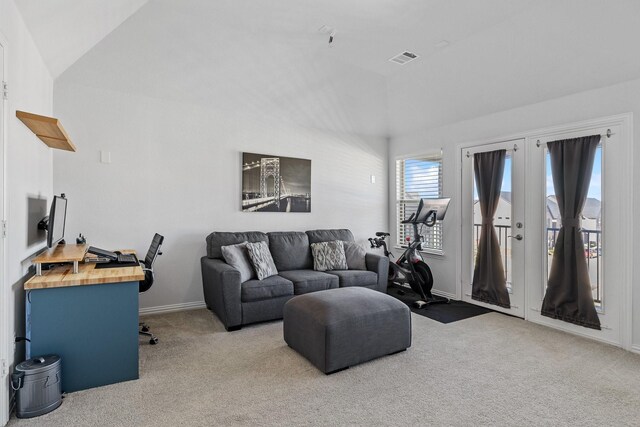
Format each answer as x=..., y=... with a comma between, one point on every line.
x=93, y=328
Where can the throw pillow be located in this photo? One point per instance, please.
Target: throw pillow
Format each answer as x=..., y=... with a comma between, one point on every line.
x=261, y=259
x=355, y=255
x=238, y=257
x=329, y=256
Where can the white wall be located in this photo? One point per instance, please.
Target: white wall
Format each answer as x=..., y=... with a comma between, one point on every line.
x=176, y=170
x=617, y=99
x=29, y=161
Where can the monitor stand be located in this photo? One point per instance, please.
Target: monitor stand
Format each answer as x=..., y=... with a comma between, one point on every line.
x=59, y=255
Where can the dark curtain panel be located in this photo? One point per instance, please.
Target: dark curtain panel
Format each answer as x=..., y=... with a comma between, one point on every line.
x=568, y=296
x=489, y=283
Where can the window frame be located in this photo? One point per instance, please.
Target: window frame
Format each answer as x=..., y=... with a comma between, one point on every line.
x=436, y=233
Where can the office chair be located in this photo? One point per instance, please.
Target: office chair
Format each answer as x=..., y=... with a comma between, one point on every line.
x=147, y=267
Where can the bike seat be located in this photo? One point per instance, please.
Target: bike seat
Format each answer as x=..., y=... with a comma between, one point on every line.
x=381, y=233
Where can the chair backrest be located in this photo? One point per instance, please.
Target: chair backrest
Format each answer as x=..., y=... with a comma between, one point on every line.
x=153, y=251
x=152, y=254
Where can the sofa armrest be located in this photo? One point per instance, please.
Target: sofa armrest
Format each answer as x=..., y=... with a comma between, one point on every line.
x=379, y=264
x=221, y=286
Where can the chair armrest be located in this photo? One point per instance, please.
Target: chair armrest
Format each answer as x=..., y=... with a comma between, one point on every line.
x=221, y=286
x=380, y=265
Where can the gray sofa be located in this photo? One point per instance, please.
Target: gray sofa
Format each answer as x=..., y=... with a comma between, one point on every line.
x=238, y=304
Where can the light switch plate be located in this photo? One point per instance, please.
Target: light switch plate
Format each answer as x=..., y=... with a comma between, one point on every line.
x=373, y=179
x=105, y=156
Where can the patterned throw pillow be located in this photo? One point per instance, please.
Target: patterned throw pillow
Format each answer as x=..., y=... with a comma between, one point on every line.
x=261, y=259
x=329, y=256
x=355, y=255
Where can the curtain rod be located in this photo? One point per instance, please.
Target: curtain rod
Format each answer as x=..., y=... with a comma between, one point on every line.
x=607, y=134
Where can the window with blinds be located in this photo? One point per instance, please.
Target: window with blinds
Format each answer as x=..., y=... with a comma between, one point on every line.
x=418, y=178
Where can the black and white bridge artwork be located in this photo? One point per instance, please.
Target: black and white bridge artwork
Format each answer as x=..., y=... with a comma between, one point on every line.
x=275, y=183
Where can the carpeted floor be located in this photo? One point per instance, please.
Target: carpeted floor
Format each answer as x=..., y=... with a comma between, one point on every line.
x=486, y=370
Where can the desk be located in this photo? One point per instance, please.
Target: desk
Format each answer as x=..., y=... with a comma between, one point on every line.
x=89, y=319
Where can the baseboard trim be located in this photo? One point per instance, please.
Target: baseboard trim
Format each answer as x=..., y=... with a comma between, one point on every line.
x=172, y=307
x=635, y=348
x=444, y=294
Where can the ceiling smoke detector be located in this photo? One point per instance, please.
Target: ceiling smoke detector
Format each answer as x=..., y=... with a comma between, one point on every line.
x=403, y=58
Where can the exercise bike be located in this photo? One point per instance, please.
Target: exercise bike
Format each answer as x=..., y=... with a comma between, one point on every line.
x=410, y=269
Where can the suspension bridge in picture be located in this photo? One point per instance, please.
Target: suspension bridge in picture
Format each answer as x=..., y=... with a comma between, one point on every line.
x=266, y=190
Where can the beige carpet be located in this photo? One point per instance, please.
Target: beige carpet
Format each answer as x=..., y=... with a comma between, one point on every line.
x=487, y=370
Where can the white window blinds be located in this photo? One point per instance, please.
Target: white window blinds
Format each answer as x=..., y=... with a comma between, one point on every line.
x=417, y=178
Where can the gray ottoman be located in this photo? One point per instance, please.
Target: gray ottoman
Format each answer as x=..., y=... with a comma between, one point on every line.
x=342, y=327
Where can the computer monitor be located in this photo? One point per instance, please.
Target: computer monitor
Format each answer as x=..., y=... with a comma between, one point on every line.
x=427, y=205
x=57, y=220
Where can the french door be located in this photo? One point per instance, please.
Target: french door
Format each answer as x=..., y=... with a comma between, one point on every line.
x=527, y=223
x=508, y=223
x=603, y=229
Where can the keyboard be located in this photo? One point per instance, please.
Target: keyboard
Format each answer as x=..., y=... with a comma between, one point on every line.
x=127, y=258
x=120, y=258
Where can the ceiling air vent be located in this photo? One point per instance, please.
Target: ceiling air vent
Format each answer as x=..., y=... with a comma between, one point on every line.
x=403, y=58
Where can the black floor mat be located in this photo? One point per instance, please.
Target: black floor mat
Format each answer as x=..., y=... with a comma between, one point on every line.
x=443, y=313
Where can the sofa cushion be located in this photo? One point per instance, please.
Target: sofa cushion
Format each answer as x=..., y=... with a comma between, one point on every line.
x=218, y=239
x=329, y=256
x=261, y=259
x=271, y=287
x=290, y=250
x=305, y=281
x=238, y=257
x=355, y=255
x=316, y=236
x=349, y=278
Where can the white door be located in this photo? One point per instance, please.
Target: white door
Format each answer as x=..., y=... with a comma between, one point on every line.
x=4, y=291
x=605, y=226
x=527, y=210
x=508, y=222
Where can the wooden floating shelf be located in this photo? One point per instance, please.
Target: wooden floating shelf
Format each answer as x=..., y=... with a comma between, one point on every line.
x=48, y=129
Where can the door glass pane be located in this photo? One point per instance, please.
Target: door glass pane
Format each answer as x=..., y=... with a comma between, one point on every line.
x=501, y=221
x=591, y=224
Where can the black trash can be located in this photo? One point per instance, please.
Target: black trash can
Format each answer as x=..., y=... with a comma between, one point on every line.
x=38, y=385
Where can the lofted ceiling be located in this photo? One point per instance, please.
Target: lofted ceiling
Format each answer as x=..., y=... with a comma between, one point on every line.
x=270, y=56
x=64, y=30
x=552, y=49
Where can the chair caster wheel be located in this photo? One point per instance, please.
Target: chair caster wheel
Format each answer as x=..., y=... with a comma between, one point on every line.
x=145, y=328
x=153, y=341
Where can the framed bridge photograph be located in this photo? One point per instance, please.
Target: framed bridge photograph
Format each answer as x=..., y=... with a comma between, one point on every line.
x=275, y=183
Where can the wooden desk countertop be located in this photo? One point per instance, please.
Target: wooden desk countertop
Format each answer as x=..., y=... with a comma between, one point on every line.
x=62, y=276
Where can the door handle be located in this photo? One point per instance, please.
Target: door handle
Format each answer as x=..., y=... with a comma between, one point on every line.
x=517, y=237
